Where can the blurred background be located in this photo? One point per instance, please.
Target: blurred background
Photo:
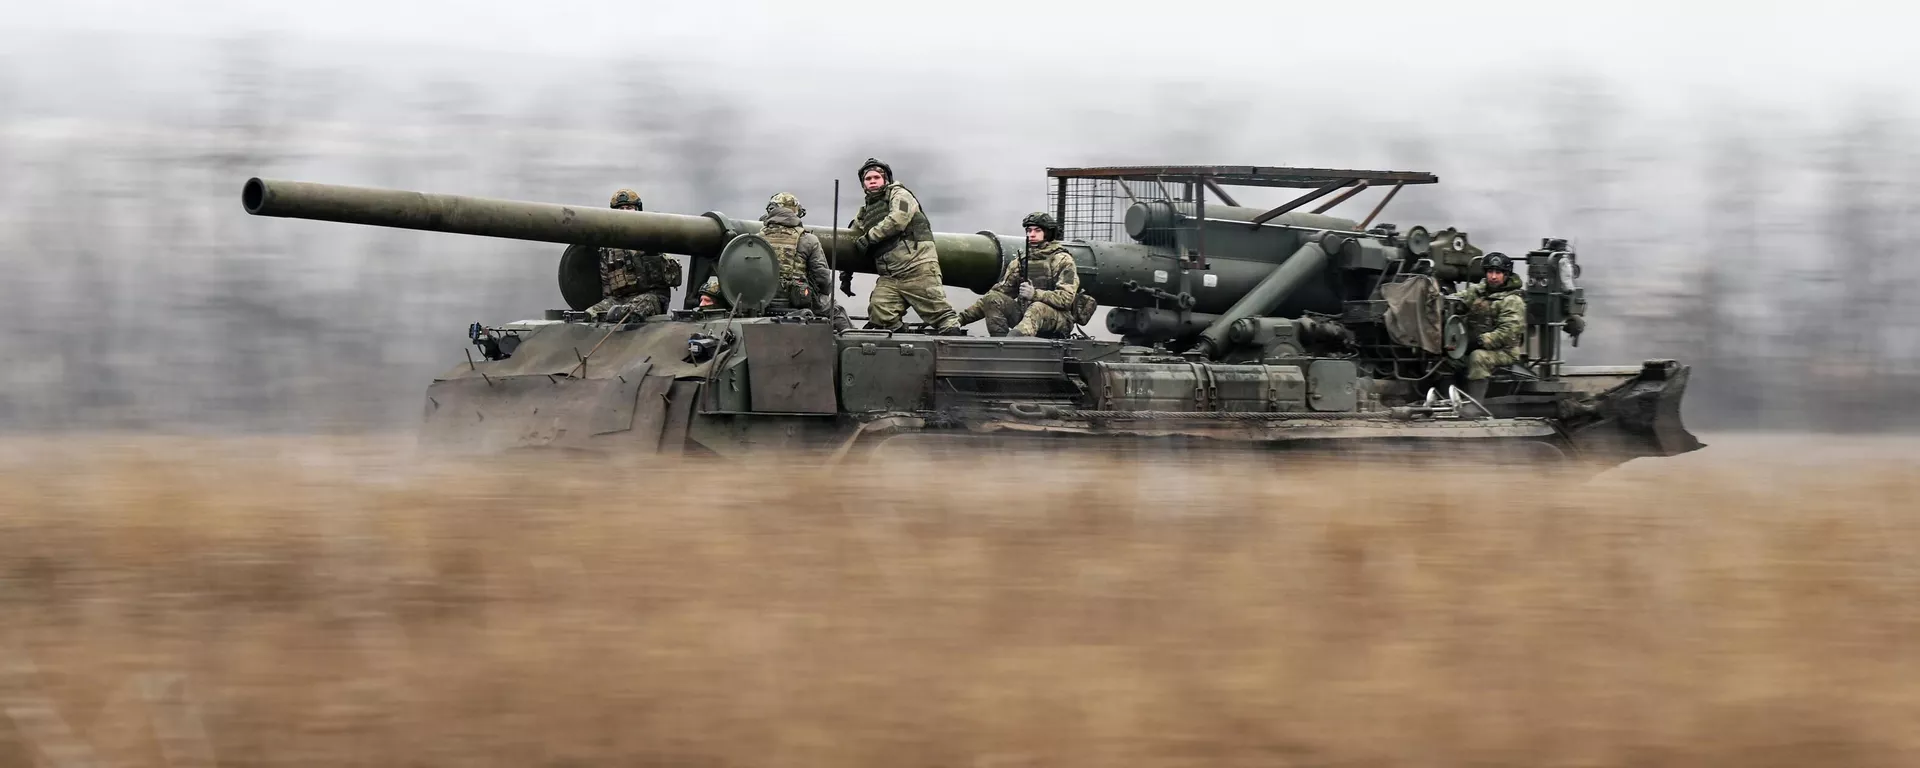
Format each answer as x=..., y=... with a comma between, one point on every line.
x=1740, y=180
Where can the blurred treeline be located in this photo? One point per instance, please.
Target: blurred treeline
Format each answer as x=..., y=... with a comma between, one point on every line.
x=1763, y=243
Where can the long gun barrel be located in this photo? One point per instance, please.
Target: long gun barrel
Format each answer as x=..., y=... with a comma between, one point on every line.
x=1144, y=274
x=969, y=261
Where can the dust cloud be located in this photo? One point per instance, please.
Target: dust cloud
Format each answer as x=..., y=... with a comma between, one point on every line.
x=315, y=602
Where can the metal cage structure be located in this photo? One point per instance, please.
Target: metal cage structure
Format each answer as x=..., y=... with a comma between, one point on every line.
x=1091, y=202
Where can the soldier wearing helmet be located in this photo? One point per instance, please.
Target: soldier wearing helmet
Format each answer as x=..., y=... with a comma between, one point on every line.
x=805, y=279
x=1039, y=293
x=1496, y=321
x=633, y=284
x=892, y=230
x=710, y=297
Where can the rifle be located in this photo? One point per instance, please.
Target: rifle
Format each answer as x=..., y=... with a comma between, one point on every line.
x=1023, y=303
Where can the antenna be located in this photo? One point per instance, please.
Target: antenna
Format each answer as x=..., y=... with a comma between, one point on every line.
x=833, y=253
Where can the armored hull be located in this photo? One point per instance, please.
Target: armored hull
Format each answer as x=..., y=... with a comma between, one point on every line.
x=795, y=386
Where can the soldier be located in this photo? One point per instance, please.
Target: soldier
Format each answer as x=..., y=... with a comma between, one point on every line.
x=805, y=279
x=1496, y=322
x=635, y=284
x=1039, y=302
x=710, y=294
x=891, y=228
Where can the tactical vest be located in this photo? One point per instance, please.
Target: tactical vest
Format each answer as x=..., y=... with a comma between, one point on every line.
x=1039, y=266
x=786, y=245
x=620, y=272
x=918, y=228
x=1483, y=307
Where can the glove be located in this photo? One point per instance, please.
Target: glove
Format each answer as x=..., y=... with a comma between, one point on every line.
x=860, y=244
x=846, y=282
x=1026, y=290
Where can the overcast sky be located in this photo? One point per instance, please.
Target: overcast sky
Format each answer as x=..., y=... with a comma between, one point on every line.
x=546, y=100
x=1786, y=50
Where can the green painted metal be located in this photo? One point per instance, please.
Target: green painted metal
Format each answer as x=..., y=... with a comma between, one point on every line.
x=1280, y=338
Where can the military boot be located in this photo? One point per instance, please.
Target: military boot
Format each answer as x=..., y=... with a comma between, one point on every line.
x=1476, y=389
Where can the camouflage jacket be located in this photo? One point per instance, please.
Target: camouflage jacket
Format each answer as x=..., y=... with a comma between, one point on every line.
x=626, y=273
x=802, y=260
x=892, y=229
x=1050, y=268
x=1498, y=316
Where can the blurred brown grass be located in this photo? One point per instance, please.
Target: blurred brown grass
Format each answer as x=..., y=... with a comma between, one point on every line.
x=318, y=602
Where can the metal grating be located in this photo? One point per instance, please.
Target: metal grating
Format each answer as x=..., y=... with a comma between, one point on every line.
x=1244, y=175
x=1096, y=209
x=1091, y=203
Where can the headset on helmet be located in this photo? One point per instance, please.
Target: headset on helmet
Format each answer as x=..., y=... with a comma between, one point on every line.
x=1044, y=221
x=1497, y=260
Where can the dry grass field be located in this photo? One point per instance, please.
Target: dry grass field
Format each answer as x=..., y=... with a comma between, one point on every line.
x=199, y=602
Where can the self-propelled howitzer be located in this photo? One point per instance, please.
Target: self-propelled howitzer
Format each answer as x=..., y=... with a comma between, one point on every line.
x=1239, y=327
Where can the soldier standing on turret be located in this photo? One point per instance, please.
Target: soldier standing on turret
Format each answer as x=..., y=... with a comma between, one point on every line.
x=891, y=228
x=1039, y=302
x=805, y=278
x=635, y=284
x=1496, y=322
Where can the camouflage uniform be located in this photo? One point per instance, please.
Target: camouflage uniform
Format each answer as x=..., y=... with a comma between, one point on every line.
x=805, y=279
x=1055, y=282
x=1497, y=318
x=895, y=232
x=635, y=284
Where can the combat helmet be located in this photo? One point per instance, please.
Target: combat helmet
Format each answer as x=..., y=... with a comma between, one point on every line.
x=625, y=196
x=885, y=170
x=788, y=201
x=1497, y=260
x=1044, y=221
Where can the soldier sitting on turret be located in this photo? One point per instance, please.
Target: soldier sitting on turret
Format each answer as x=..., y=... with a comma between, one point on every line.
x=1039, y=291
x=635, y=284
x=805, y=280
x=1496, y=322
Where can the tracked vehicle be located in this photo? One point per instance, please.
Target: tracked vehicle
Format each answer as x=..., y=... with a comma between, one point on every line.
x=1238, y=327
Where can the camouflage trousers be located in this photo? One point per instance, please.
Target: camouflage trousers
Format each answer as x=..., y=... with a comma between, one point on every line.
x=1481, y=362
x=920, y=288
x=1001, y=311
x=630, y=308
